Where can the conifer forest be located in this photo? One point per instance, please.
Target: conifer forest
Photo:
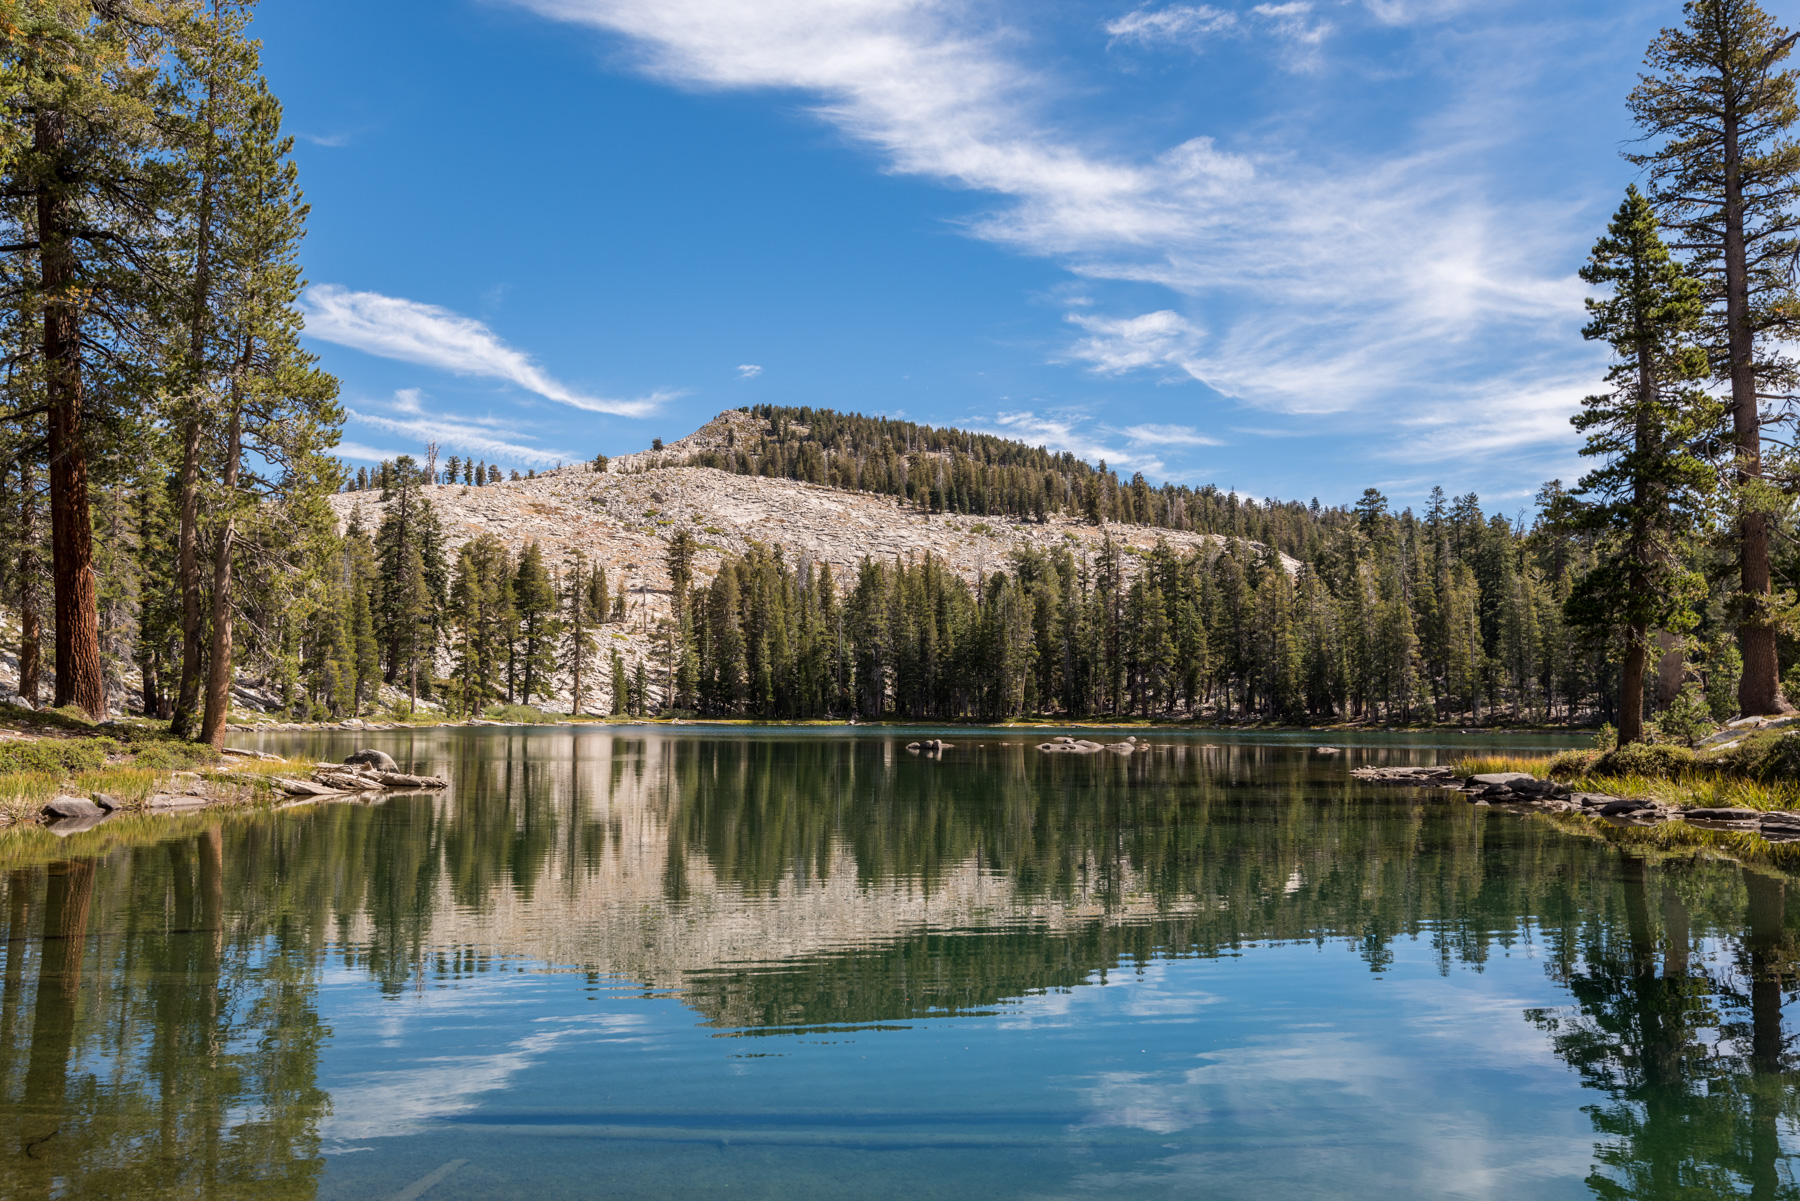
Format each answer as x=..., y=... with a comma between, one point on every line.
x=167, y=453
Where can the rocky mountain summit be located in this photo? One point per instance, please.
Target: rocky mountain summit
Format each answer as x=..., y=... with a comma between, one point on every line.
x=624, y=516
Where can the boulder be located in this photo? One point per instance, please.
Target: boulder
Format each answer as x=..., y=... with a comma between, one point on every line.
x=72, y=806
x=108, y=802
x=1500, y=777
x=379, y=760
x=1723, y=815
x=1619, y=808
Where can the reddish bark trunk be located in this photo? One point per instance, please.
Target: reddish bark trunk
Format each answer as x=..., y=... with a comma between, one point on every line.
x=78, y=669
x=1759, y=688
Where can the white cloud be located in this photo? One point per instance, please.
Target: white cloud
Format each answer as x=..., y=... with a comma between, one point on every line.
x=1168, y=435
x=1307, y=279
x=394, y=328
x=749, y=370
x=1192, y=25
x=1066, y=431
x=407, y=414
x=362, y=453
x=1178, y=22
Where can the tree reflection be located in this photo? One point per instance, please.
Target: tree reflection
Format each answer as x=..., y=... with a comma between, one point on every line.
x=171, y=1050
x=1689, y=1052
x=159, y=1033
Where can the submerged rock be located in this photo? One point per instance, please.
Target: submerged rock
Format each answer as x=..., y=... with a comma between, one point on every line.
x=1405, y=775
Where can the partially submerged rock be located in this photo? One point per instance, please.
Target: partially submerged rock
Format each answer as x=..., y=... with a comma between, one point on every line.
x=379, y=760
x=1405, y=775
x=72, y=807
x=305, y=787
x=1064, y=744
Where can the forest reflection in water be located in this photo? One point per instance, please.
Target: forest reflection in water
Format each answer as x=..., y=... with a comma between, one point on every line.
x=161, y=1027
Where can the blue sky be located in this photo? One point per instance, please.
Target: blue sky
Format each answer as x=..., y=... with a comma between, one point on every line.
x=1290, y=248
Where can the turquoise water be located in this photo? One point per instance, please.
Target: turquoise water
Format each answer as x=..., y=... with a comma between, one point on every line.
x=655, y=963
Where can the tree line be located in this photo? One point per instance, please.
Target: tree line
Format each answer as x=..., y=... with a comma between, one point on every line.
x=164, y=467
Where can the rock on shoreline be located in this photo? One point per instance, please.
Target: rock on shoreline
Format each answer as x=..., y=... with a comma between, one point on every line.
x=1523, y=789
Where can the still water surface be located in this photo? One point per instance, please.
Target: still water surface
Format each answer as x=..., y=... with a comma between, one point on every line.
x=636, y=963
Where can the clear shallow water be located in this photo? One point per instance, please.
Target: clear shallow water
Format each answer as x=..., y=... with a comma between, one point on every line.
x=788, y=964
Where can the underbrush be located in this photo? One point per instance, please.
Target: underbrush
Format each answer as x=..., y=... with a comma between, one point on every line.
x=520, y=715
x=130, y=761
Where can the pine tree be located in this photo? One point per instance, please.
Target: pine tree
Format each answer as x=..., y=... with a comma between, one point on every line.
x=1725, y=177
x=539, y=629
x=277, y=405
x=481, y=606
x=579, y=620
x=621, y=688
x=1652, y=487
x=79, y=141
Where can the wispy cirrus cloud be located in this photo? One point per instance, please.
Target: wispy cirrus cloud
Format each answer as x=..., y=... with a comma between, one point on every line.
x=1073, y=432
x=1303, y=278
x=1292, y=23
x=427, y=334
x=364, y=453
x=749, y=370
x=408, y=414
x=1168, y=435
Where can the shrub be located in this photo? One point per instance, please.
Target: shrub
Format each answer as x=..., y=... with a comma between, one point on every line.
x=174, y=755
x=1772, y=756
x=519, y=715
x=56, y=755
x=1643, y=759
x=1723, y=668
x=1567, y=765
x=1687, y=719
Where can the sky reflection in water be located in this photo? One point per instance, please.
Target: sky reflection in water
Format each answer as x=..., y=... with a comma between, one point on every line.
x=645, y=964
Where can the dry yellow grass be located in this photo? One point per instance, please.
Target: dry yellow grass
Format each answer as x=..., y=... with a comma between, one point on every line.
x=23, y=793
x=1481, y=765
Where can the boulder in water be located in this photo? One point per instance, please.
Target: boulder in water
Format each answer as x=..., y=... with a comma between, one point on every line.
x=379, y=760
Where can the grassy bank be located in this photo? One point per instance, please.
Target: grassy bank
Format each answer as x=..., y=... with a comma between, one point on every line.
x=49, y=753
x=1761, y=771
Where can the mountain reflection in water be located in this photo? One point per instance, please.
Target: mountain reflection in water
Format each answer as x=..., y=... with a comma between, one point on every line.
x=162, y=1027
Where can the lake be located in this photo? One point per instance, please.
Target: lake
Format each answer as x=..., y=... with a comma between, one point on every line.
x=644, y=962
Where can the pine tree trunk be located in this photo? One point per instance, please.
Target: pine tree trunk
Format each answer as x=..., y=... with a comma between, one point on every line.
x=1759, y=688
x=30, y=635
x=187, y=569
x=78, y=671
x=188, y=556
x=1631, y=684
x=218, y=675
